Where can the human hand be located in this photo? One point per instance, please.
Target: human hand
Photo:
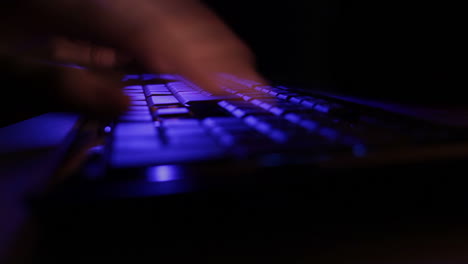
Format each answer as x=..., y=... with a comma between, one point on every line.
x=175, y=36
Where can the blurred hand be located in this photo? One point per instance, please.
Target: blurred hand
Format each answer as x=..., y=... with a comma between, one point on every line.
x=169, y=36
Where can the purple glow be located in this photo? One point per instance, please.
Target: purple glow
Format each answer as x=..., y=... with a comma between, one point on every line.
x=163, y=173
x=149, y=76
x=359, y=150
x=96, y=150
x=107, y=129
x=44, y=131
x=130, y=77
x=329, y=133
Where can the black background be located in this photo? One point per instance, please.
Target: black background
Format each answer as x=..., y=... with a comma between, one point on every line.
x=399, y=50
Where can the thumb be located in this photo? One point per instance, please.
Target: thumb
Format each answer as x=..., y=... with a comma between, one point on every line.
x=97, y=94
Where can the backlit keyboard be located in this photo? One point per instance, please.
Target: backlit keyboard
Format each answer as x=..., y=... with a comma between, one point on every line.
x=172, y=121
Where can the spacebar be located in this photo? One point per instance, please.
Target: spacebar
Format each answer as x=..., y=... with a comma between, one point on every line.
x=188, y=97
x=158, y=156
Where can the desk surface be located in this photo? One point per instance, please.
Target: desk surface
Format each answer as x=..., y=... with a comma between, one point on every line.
x=27, y=171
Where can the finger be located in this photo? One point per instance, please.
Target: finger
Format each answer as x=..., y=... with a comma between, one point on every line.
x=85, y=53
x=198, y=45
x=162, y=34
x=211, y=78
x=96, y=94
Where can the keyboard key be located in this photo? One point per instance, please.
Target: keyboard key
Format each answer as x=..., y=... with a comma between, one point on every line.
x=134, y=88
x=293, y=117
x=212, y=122
x=278, y=129
x=273, y=92
x=137, y=97
x=311, y=102
x=268, y=105
x=148, y=94
x=176, y=87
x=310, y=125
x=258, y=102
x=196, y=140
x=156, y=88
x=232, y=105
x=129, y=77
x=137, y=112
x=138, y=117
x=300, y=99
x=183, y=126
x=181, y=123
x=140, y=129
x=284, y=110
x=338, y=110
x=233, y=129
x=138, y=108
x=188, y=97
x=161, y=154
x=286, y=95
x=229, y=90
x=132, y=92
x=172, y=111
x=186, y=131
x=244, y=139
x=264, y=89
x=230, y=128
x=133, y=144
x=279, y=136
x=163, y=100
x=298, y=116
x=246, y=111
x=327, y=107
x=247, y=83
x=233, y=132
x=329, y=133
x=138, y=103
x=251, y=95
x=149, y=77
x=279, y=124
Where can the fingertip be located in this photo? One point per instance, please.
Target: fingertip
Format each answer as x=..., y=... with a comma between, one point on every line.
x=250, y=72
x=112, y=101
x=103, y=57
x=205, y=80
x=117, y=102
x=93, y=93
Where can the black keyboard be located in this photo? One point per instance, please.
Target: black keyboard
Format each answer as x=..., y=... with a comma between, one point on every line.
x=172, y=121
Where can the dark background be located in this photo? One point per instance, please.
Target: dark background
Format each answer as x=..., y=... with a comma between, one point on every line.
x=399, y=50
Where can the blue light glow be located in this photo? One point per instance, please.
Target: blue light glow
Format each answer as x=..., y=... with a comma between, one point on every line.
x=96, y=150
x=130, y=77
x=163, y=173
x=359, y=150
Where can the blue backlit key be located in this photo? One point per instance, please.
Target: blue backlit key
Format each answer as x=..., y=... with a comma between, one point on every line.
x=163, y=100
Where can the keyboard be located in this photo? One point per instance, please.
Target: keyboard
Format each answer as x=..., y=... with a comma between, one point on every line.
x=173, y=121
